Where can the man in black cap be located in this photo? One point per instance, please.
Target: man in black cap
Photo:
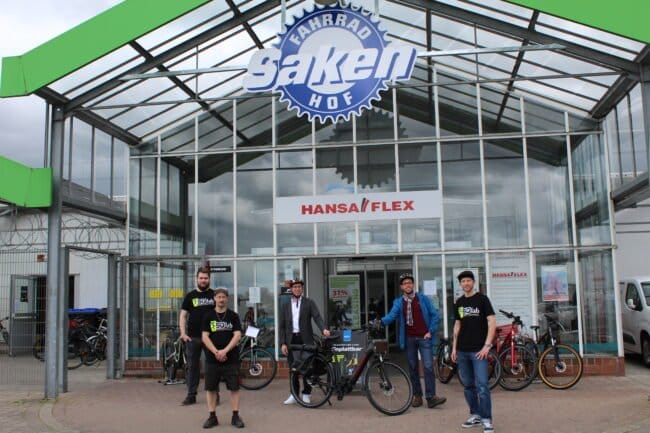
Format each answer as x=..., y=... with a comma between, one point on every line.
x=417, y=332
x=474, y=331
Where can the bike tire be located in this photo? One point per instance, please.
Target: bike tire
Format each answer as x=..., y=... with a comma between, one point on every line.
x=76, y=352
x=319, y=374
x=5, y=336
x=89, y=356
x=257, y=368
x=38, y=349
x=517, y=375
x=168, y=361
x=444, y=367
x=562, y=375
x=388, y=388
x=494, y=370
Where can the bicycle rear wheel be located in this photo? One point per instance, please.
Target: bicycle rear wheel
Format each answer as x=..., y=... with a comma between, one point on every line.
x=77, y=350
x=444, y=366
x=560, y=366
x=388, y=388
x=517, y=368
x=257, y=368
x=168, y=361
x=315, y=375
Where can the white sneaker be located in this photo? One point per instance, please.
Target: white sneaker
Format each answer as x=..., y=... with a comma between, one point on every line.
x=290, y=400
x=306, y=398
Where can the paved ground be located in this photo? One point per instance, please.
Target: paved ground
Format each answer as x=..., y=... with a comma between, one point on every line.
x=94, y=405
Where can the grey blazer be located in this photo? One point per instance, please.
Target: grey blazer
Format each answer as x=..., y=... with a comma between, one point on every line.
x=308, y=311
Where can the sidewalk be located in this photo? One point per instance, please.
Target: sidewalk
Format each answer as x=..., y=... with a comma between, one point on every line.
x=595, y=405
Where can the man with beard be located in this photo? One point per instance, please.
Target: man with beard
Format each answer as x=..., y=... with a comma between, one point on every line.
x=221, y=333
x=418, y=320
x=196, y=304
x=296, y=328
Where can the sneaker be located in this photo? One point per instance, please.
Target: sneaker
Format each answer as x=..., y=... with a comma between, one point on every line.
x=306, y=398
x=487, y=426
x=190, y=399
x=237, y=421
x=417, y=401
x=472, y=421
x=435, y=401
x=290, y=400
x=212, y=421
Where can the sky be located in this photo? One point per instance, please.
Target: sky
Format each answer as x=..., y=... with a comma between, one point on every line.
x=25, y=25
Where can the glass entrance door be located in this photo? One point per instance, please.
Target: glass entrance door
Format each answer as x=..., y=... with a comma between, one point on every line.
x=378, y=286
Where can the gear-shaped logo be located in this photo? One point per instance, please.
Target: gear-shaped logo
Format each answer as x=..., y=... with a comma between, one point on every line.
x=330, y=63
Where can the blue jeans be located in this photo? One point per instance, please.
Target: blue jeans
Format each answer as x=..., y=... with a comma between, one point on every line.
x=424, y=345
x=474, y=374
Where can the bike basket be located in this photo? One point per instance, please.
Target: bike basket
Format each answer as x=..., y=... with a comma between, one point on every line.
x=381, y=346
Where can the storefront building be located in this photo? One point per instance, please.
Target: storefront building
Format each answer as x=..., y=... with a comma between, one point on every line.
x=493, y=154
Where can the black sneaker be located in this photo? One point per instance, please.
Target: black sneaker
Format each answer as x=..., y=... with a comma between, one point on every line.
x=435, y=401
x=190, y=399
x=237, y=421
x=212, y=421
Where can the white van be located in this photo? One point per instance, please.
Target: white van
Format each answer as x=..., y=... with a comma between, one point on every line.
x=635, y=295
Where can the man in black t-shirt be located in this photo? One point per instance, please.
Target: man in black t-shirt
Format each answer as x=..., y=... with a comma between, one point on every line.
x=221, y=331
x=474, y=331
x=196, y=304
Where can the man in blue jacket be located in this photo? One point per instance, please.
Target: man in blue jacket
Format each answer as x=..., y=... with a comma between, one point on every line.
x=418, y=320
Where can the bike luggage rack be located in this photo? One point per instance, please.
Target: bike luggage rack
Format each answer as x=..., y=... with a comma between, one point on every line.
x=381, y=346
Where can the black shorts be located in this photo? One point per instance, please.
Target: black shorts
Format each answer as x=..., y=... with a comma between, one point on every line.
x=215, y=373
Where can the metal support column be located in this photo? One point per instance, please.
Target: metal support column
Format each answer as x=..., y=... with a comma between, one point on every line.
x=645, y=101
x=62, y=328
x=53, y=247
x=111, y=317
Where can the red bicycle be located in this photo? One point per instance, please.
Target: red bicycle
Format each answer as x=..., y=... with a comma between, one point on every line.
x=518, y=362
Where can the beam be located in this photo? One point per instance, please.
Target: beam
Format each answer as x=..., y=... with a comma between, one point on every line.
x=25, y=186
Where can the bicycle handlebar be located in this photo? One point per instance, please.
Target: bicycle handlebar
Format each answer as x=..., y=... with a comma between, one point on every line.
x=516, y=319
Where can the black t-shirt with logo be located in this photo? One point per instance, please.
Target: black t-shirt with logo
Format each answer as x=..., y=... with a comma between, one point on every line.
x=197, y=304
x=221, y=327
x=472, y=312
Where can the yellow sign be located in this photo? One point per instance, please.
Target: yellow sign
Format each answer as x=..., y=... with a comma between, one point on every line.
x=155, y=293
x=176, y=293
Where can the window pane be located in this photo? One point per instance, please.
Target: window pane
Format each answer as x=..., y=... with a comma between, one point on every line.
x=556, y=293
x=254, y=204
x=102, y=183
x=590, y=190
x=215, y=200
x=505, y=193
x=81, y=153
x=599, y=316
x=457, y=108
x=295, y=238
x=418, y=168
x=461, y=179
x=376, y=168
x=377, y=236
x=334, y=171
x=257, y=273
x=294, y=173
x=549, y=191
x=336, y=237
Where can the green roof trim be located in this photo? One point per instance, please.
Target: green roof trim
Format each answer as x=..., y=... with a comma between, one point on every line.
x=90, y=40
x=25, y=186
x=628, y=18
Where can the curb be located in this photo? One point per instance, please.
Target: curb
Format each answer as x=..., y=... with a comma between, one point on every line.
x=45, y=414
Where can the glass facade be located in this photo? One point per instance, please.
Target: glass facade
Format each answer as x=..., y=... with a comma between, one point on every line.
x=512, y=201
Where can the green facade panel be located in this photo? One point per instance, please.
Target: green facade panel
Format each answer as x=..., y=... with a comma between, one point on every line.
x=628, y=18
x=106, y=32
x=25, y=186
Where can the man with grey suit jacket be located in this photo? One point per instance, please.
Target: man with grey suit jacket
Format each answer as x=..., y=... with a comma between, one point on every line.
x=296, y=328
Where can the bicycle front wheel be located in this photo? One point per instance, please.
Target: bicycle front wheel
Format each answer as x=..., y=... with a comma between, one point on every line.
x=168, y=361
x=444, y=366
x=77, y=350
x=494, y=370
x=316, y=378
x=560, y=366
x=518, y=368
x=388, y=388
x=257, y=368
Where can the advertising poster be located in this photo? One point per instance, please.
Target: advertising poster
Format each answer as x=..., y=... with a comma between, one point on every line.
x=458, y=291
x=344, y=301
x=555, y=283
x=510, y=286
